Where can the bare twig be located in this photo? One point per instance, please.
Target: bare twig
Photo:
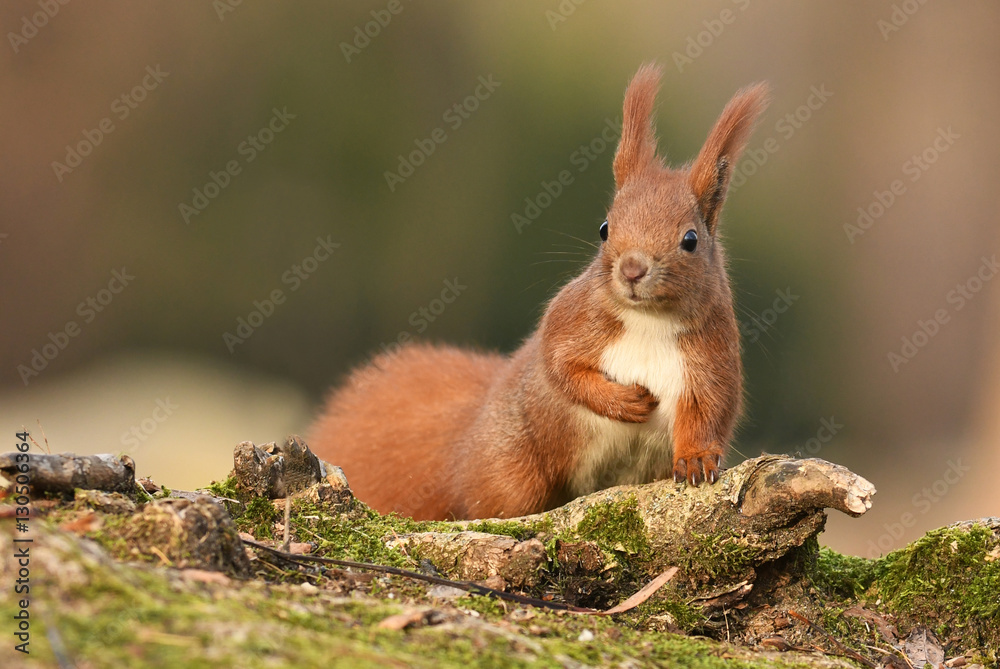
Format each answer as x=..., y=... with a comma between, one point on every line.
x=47, y=449
x=845, y=651
x=288, y=522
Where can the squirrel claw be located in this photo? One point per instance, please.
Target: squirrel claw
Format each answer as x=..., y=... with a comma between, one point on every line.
x=694, y=477
x=698, y=469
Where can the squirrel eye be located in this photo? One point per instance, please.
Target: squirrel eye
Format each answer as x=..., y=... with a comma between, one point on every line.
x=690, y=241
x=604, y=231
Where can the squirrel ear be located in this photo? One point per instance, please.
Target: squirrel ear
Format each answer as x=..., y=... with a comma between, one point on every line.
x=713, y=167
x=637, y=148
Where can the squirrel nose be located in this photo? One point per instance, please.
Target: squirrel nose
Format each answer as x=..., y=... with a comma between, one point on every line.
x=633, y=268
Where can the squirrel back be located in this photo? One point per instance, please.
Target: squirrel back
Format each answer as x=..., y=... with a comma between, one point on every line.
x=632, y=375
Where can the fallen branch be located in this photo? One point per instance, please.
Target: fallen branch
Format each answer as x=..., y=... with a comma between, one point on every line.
x=719, y=535
x=62, y=473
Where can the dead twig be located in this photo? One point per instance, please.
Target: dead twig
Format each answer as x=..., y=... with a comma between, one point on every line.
x=844, y=650
x=288, y=521
x=47, y=449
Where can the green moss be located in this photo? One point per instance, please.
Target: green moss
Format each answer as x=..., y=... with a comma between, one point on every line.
x=665, y=608
x=519, y=531
x=487, y=606
x=358, y=534
x=258, y=518
x=140, y=496
x=616, y=526
x=617, y=641
x=128, y=617
x=227, y=488
x=715, y=553
x=110, y=535
x=839, y=576
x=950, y=580
x=852, y=631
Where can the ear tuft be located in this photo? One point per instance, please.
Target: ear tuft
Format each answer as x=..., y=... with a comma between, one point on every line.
x=714, y=165
x=637, y=148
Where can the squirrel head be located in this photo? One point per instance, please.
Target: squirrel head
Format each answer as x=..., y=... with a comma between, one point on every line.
x=660, y=248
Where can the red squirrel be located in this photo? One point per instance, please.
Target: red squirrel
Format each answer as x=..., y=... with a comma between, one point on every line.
x=632, y=375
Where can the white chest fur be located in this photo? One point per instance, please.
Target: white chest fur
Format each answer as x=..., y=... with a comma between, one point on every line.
x=614, y=453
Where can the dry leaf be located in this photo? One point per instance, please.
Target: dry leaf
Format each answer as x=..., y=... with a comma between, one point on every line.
x=886, y=629
x=638, y=598
x=204, y=576
x=401, y=621
x=85, y=523
x=776, y=642
x=922, y=648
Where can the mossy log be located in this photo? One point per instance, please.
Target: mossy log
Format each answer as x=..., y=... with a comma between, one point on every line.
x=719, y=535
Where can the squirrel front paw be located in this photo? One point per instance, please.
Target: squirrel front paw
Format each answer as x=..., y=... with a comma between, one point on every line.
x=697, y=468
x=633, y=404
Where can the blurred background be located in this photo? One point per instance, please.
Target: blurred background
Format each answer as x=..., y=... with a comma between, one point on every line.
x=211, y=211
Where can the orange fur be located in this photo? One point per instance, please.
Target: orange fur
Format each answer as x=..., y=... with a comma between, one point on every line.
x=438, y=432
